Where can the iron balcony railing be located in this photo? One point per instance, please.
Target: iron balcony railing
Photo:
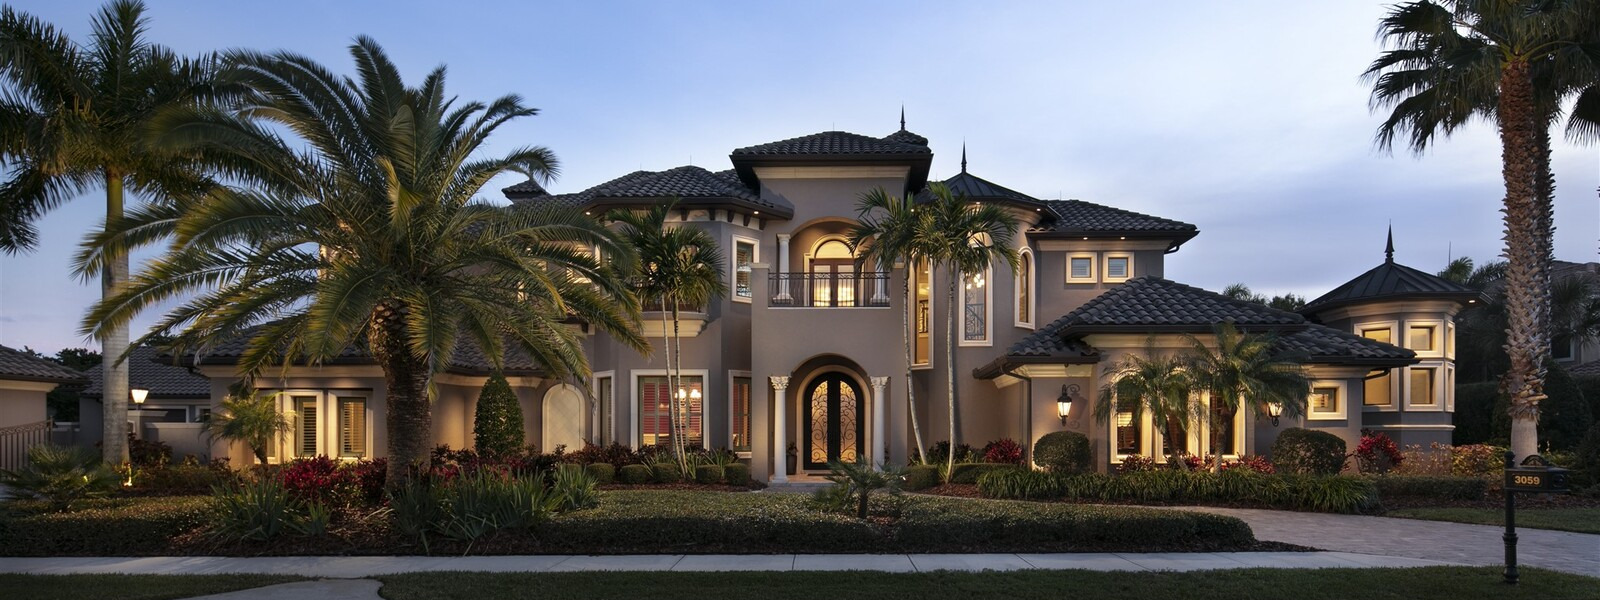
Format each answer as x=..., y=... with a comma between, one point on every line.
x=829, y=290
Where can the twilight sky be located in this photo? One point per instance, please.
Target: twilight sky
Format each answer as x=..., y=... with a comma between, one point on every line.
x=1248, y=119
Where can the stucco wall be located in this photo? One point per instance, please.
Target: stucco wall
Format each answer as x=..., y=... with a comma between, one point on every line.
x=22, y=406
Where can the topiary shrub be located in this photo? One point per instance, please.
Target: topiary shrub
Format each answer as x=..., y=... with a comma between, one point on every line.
x=665, y=472
x=708, y=474
x=920, y=477
x=1063, y=452
x=1307, y=452
x=1432, y=487
x=497, y=426
x=736, y=474
x=603, y=473
x=634, y=474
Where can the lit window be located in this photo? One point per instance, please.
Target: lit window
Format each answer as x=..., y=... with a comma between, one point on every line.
x=1422, y=387
x=1024, y=289
x=1324, y=400
x=655, y=411
x=1419, y=337
x=1117, y=268
x=305, y=438
x=922, y=320
x=975, y=316
x=744, y=256
x=1376, y=391
x=602, y=393
x=739, y=415
x=353, y=427
x=1128, y=438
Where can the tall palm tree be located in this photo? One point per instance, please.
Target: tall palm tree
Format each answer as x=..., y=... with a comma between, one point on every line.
x=1242, y=370
x=964, y=238
x=887, y=231
x=250, y=418
x=1155, y=383
x=361, y=230
x=681, y=265
x=1514, y=61
x=72, y=119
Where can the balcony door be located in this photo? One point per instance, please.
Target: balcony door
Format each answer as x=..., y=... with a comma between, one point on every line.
x=833, y=275
x=834, y=429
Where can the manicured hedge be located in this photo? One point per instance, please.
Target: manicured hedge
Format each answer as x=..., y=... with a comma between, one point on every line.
x=603, y=473
x=964, y=525
x=968, y=473
x=708, y=474
x=920, y=477
x=1063, y=452
x=737, y=474
x=665, y=473
x=634, y=474
x=668, y=521
x=1303, y=451
x=1431, y=486
x=107, y=527
x=1237, y=486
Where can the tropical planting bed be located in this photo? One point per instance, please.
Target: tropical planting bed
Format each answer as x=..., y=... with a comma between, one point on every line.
x=643, y=521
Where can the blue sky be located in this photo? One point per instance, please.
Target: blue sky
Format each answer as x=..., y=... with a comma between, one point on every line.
x=1248, y=119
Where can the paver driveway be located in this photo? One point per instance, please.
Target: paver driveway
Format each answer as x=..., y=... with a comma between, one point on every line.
x=1434, y=540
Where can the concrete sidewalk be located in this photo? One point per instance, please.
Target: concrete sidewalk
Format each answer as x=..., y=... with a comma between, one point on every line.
x=368, y=566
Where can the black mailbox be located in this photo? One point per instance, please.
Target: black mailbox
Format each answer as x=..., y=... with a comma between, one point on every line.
x=1536, y=475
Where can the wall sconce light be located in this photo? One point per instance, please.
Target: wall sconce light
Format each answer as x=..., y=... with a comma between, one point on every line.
x=1064, y=402
x=1274, y=410
x=139, y=394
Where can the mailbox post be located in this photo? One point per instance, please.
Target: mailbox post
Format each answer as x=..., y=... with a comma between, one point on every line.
x=1535, y=476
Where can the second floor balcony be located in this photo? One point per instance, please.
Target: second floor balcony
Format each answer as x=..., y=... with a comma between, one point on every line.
x=829, y=290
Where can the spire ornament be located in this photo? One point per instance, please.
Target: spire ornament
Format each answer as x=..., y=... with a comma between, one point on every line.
x=1388, y=250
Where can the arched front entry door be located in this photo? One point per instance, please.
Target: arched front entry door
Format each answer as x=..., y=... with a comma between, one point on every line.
x=563, y=418
x=834, y=429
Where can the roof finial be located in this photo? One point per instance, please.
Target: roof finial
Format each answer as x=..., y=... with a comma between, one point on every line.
x=902, y=117
x=963, y=156
x=1388, y=250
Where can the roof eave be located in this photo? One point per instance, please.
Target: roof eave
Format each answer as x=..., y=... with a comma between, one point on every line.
x=999, y=366
x=1462, y=298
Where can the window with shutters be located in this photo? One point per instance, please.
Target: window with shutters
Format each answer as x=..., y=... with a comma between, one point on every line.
x=352, y=427
x=657, y=406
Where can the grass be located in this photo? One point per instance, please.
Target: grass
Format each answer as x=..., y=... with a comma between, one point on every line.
x=1580, y=520
x=130, y=587
x=1444, y=583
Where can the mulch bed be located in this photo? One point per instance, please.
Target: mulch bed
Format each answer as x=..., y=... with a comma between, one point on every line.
x=683, y=487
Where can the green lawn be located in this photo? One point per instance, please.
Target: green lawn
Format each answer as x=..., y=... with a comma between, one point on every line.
x=129, y=587
x=1581, y=520
x=1444, y=583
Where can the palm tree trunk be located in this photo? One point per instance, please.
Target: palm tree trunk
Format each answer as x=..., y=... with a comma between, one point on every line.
x=406, y=376
x=114, y=370
x=683, y=419
x=950, y=367
x=905, y=332
x=1527, y=293
x=672, y=387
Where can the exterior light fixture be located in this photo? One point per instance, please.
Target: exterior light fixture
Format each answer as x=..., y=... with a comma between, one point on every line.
x=139, y=394
x=756, y=213
x=1064, y=402
x=1274, y=410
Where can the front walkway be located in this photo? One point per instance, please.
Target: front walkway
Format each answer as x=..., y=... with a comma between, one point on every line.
x=369, y=566
x=1430, y=540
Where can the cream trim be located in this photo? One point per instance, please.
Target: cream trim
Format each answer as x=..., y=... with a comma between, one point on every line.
x=835, y=172
x=1018, y=286
x=30, y=386
x=732, y=375
x=605, y=433
x=1106, y=271
x=733, y=267
x=633, y=391
x=1094, y=267
x=1341, y=401
x=1394, y=384
x=1438, y=398
x=988, y=312
x=1056, y=245
x=1436, y=338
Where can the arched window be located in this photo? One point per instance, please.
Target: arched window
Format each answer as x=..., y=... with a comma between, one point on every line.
x=1024, y=287
x=976, y=293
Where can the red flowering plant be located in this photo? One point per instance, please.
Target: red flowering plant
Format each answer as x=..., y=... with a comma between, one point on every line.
x=1191, y=462
x=1251, y=462
x=1376, y=453
x=1003, y=451
x=370, y=475
x=320, y=479
x=1135, y=464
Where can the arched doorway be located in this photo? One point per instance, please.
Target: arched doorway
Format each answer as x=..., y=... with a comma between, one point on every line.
x=832, y=420
x=563, y=418
x=833, y=274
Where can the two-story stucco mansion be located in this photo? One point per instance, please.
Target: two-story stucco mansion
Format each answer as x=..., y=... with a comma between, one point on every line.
x=806, y=352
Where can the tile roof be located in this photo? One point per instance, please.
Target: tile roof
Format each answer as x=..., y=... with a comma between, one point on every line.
x=833, y=143
x=469, y=358
x=1588, y=369
x=16, y=366
x=1323, y=344
x=147, y=370
x=693, y=185
x=1391, y=280
x=906, y=137
x=978, y=188
x=1076, y=217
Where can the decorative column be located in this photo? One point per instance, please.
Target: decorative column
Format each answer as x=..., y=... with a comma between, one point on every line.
x=780, y=431
x=783, y=270
x=880, y=292
x=878, y=439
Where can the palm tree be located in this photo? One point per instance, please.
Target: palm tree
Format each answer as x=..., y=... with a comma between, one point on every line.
x=886, y=233
x=251, y=419
x=362, y=231
x=681, y=265
x=1243, y=370
x=1513, y=61
x=72, y=120
x=1155, y=383
x=965, y=238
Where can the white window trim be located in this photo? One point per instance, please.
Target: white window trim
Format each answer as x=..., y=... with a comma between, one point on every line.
x=1438, y=387
x=1018, y=286
x=747, y=375
x=1201, y=441
x=1094, y=267
x=1449, y=387
x=1147, y=438
x=594, y=390
x=733, y=267
x=1394, y=384
x=1438, y=350
x=1572, y=353
x=911, y=320
x=327, y=422
x=988, y=313
x=1106, y=268
x=1450, y=339
x=1343, y=398
x=633, y=392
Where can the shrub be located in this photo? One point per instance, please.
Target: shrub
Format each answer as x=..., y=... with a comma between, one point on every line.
x=1476, y=460
x=262, y=510
x=1377, y=453
x=920, y=477
x=634, y=474
x=102, y=527
x=574, y=488
x=1136, y=463
x=1435, y=459
x=614, y=454
x=968, y=473
x=854, y=483
x=1163, y=486
x=62, y=475
x=708, y=474
x=319, y=479
x=1062, y=452
x=939, y=453
x=472, y=506
x=1307, y=452
x=1003, y=451
x=1474, y=420
x=1056, y=527
x=1431, y=486
x=1258, y=464
x=146, y=454
x=665, y=472
x=648, y=521
x=603, y=473
x=370, y=476
x=1564, y=414
x=737, y=474
x=184, y=480
x=1586, y=470
x=497, y=426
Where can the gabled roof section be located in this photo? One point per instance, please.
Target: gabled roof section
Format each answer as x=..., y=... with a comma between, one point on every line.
x=16, y=366
x=1391, y=281
x=1076, y=218
x=147, y=370
x=906, y=137
x=837, y=148
x=695, y=187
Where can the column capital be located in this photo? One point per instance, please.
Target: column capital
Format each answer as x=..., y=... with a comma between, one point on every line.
x=779, y=382
x=880, y=382
x=783, y=237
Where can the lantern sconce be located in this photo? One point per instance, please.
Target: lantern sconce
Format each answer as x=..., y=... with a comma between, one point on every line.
x=139, y=394
x=1069, y=392
x=1274, y=410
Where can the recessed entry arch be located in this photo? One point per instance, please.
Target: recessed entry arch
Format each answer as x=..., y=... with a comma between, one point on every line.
x=563, y=418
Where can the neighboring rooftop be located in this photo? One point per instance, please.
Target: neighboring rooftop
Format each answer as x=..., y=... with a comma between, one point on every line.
x=469, y=358
x=1391, y=281
x=147, y=370
x=17, y=366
